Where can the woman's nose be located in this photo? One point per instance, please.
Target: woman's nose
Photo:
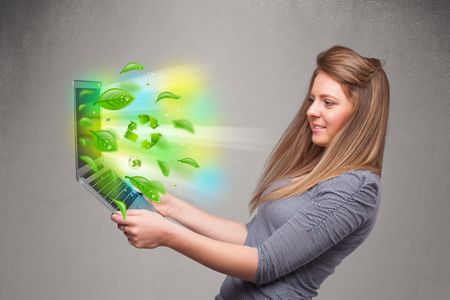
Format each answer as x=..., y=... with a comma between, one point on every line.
x=313, y=110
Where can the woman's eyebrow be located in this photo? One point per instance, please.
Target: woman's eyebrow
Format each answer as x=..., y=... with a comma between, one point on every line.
x=324, y=96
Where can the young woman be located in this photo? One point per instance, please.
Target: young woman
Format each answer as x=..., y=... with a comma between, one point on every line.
x=316, y=201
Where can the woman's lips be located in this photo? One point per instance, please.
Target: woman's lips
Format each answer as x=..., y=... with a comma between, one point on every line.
x=317, y=129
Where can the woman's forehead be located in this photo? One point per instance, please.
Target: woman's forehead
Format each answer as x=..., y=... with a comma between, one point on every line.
x=327, y=85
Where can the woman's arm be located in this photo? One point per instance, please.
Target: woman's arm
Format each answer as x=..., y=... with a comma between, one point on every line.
x=146, y=229
x=201, y=222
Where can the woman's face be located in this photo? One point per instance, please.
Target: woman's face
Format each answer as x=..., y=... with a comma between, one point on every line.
x=330, y=109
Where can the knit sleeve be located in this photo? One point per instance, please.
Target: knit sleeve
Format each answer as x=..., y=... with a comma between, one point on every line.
x=339, y=206
x=250, y=223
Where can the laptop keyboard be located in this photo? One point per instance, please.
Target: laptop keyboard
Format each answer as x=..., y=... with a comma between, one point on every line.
x=110, y=187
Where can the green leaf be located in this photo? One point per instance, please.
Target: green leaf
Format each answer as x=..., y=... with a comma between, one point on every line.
x=166, y=95
x=132, y=126
x=150, y=189
x=184, y=124
x=146, y=144
x=86, y=122
x=153, y=122
x=104, y=140
x=131, y=136
x=82, y=142
x=143, y=119
x=84, y=93
x=131, y=66
x=115, y=99
x=121, y=206
x=91, y=163
x=164, y=166
x=155, y=137
x=81, y=107
x=189, y=161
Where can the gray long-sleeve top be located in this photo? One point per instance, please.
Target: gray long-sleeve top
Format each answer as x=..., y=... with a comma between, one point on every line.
x=301, y=239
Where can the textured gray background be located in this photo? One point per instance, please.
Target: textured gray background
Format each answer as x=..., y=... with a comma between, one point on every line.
x=56, y=242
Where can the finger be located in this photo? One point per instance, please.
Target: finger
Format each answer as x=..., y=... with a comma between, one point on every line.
x=121, y=227
x=136, y=212
x=117, y=218
x=130, y=242
x=129, y=231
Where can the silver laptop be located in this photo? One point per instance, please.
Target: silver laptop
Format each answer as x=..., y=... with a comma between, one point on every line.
x=92, y=171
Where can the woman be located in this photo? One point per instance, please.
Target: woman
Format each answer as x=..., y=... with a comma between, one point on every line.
x=317, y=199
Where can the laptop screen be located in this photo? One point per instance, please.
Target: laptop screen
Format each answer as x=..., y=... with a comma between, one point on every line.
x=87, y=120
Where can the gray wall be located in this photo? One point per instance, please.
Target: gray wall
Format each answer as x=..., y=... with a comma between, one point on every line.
x=57, y=242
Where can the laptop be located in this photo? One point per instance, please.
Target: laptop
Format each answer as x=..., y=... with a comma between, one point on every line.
x=92, y=171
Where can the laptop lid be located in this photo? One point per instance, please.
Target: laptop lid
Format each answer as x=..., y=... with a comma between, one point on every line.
x=103, y=184
x=87, y=119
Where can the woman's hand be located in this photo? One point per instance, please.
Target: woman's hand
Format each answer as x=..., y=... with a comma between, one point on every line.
x=167, y=205
x=147, y=229
x=143, y=228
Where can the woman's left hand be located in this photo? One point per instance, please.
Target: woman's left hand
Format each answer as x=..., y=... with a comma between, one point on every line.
x=143, y=228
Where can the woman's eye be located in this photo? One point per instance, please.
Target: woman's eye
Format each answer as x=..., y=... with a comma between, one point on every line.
x=328, y=102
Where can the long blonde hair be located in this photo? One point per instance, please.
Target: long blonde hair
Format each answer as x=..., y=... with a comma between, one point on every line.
x=359, y=144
